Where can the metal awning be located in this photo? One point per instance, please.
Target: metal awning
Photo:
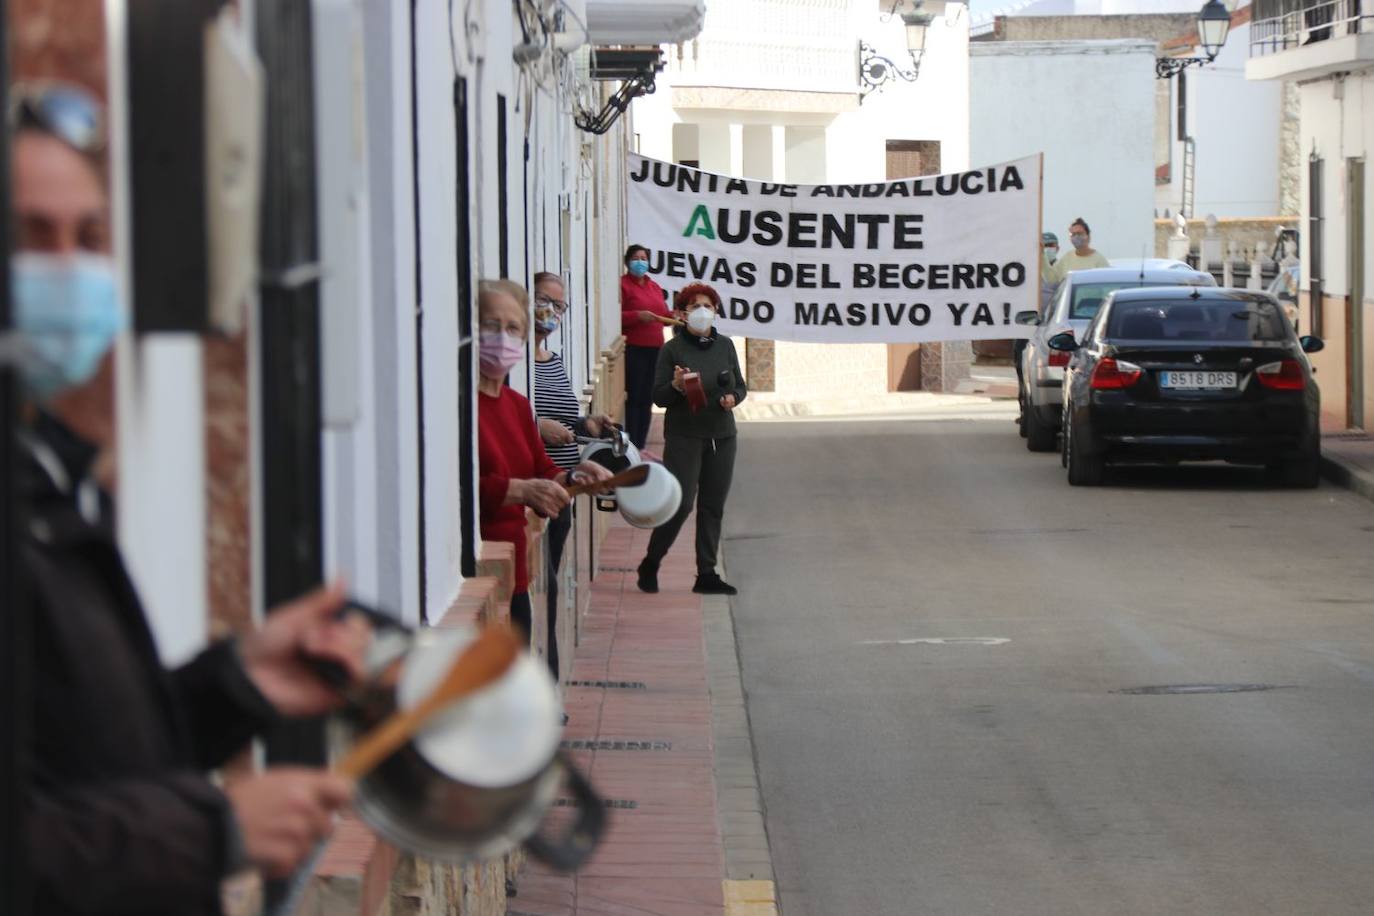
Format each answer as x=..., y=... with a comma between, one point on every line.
x=644, y=22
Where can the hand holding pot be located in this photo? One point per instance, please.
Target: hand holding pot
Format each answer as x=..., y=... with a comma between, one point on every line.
x=555, y=433
x=543, y=496
x=598, y=425
x=278, y=656
x=590, y=471
x=283, y=813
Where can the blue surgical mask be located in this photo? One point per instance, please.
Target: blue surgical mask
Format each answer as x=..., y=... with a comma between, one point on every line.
x=67, y=313
x=546, y=326
x=639, y=267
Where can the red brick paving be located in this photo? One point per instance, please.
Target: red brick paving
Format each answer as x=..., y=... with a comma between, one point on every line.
x=664, y=857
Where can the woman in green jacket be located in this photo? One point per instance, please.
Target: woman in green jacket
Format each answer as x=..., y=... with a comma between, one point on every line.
x=698, y=437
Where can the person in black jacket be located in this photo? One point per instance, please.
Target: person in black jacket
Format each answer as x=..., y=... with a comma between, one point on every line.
x=122, y=819
x=698, y=438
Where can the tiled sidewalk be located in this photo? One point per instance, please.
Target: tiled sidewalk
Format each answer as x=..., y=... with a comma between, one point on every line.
x=663, y=853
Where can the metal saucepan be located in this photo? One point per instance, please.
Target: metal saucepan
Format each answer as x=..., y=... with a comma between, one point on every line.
x=479, y=778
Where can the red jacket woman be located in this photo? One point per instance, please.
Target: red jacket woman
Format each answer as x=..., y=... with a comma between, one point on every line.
x=642, y=303
x=515, y=470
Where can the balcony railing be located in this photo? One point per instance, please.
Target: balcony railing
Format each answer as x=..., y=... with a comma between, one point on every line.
x=1281, y=25
x=772, y=44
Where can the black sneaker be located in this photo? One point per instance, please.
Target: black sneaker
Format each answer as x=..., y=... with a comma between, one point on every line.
x=713, y=585
x=648, y=578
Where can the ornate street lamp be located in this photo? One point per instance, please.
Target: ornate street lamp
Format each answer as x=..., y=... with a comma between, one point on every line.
x=1213, y=24
x=876, y=70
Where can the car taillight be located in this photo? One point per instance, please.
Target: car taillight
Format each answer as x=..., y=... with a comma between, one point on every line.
x=1285, y=375
x=1059, y=358
x=1113, y=373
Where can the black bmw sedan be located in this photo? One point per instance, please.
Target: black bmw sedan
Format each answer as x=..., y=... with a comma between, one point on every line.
x=1170, y=375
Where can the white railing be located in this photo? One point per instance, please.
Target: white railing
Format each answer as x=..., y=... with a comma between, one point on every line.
x=807, y=45
x=1295, y=24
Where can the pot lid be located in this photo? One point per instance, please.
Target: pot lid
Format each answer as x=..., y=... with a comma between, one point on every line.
x=500, y=736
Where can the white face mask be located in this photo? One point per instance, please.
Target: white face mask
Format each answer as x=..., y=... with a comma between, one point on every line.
x=700, y=319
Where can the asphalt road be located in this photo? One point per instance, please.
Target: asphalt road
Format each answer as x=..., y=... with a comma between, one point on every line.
x=1025, y=777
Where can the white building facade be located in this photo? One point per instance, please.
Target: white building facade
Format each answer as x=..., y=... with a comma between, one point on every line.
x=446, y=152
x=1327, y=49
x=771, y=90
x=1098, y=151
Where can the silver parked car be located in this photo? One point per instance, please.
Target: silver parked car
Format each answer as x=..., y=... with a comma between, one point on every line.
x=1071, y=307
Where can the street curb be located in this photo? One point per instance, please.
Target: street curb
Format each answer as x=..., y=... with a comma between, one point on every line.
x=1344, y=475
x=750, y=887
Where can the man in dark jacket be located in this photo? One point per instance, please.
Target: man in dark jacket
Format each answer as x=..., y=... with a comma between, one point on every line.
x=122, y=819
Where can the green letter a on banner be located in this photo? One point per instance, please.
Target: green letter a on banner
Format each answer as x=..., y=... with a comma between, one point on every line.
x=700, y=223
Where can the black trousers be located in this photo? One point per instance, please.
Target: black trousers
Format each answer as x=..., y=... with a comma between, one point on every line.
x=704, y=468
x=639, y=392
x=554, y=539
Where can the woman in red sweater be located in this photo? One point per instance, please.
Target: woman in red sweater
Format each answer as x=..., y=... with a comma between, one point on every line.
x=516, y=472
x=641, y=303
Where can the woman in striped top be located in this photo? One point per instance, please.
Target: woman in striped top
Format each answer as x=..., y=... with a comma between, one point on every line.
x=560, y=419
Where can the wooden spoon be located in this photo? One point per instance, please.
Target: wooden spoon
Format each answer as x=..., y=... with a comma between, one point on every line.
x=674, y=322
x=631, y=477
x=488, y=657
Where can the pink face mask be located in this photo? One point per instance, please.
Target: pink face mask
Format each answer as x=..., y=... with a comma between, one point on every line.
x=498, y=353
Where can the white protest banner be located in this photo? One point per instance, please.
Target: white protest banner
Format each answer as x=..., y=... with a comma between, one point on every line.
x=944, y=257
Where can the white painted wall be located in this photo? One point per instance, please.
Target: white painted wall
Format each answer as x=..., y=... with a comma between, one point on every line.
x=395, y=441
x=1099, y=165
x=1236, y=125
x=1337, y=123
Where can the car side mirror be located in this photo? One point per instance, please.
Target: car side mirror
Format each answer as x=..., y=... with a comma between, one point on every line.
x=1028, y=317
x=1311, y=344
x=1063, y=341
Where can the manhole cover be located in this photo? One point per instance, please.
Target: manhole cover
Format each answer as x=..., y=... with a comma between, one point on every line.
x=1173, y=689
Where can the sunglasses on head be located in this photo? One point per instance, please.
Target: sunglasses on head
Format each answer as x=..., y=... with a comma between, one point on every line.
x=69, y=113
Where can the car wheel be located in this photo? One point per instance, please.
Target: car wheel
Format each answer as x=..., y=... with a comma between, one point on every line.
x=1039, y=437
x=1021, y=420
x=1085, y=469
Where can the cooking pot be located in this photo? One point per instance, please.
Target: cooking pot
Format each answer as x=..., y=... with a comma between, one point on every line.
x=615, y=453
x=653, y=502
x=477, y=780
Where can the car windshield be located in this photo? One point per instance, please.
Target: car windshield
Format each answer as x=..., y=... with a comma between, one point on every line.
x=1088, y=298
x=1211, y=319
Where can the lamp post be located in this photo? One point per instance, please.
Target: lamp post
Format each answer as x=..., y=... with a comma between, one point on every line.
x=876, y=70
x=1213, y=24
